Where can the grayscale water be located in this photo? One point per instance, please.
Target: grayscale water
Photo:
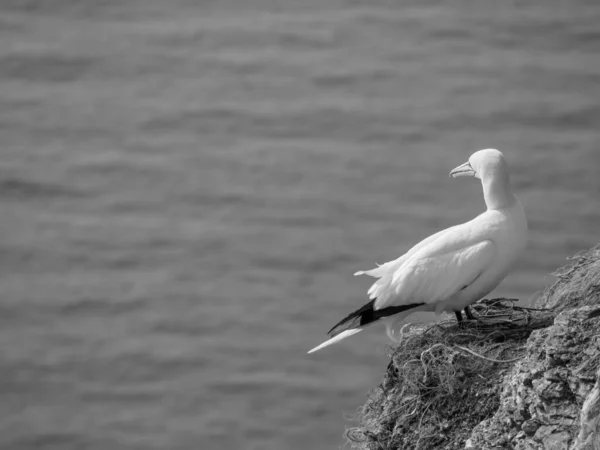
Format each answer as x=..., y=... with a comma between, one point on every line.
x=187, y=187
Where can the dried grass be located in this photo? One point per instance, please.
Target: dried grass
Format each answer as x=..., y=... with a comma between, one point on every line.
x=577, y=284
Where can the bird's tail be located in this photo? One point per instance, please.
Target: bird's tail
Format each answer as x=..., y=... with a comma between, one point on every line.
x=337, y=338
x=357, y=320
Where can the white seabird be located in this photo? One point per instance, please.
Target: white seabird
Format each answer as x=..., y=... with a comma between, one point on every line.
x=455, y=267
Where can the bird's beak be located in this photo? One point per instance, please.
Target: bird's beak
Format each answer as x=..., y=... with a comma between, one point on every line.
x=464, y=170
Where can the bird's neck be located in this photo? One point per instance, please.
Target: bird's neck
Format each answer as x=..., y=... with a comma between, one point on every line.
x=497, y=193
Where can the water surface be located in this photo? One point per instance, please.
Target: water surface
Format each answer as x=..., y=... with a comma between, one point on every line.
x=187, y=188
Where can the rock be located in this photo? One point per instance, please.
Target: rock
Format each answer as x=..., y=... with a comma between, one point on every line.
x=553, y=393
x=589, y=433
x=530, y=427
x=558, y=441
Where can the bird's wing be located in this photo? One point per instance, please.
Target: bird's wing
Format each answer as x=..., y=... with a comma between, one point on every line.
x=390, y=266
x=434, y=274
x=448, y=240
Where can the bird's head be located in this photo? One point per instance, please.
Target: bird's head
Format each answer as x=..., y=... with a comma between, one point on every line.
x=488, y=163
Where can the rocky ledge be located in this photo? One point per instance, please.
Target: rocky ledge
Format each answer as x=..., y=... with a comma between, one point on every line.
x=519, y=378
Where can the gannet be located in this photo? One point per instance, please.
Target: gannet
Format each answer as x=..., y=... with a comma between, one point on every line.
x=453, y=268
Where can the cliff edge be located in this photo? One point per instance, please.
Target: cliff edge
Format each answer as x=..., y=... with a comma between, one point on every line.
x=517, y=378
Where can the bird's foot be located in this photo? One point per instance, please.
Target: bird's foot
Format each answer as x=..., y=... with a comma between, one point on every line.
x=459, y=317
x=469, y=314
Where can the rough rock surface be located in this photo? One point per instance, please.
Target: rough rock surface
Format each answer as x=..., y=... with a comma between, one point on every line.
x=551, y=398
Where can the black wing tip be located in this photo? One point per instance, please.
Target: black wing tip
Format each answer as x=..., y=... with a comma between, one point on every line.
x=351, y=319
x=366, y=315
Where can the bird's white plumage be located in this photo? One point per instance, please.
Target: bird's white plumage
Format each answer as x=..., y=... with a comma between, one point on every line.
x=451, y=271
x=457, y=266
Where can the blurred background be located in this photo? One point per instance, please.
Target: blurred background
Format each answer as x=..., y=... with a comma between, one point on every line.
x=187, y=188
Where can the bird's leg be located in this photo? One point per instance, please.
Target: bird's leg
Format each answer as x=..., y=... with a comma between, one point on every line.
x=469, y=314
x=459, y=317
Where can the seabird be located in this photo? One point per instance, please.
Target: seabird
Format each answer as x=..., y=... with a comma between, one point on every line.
x=453, y=268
